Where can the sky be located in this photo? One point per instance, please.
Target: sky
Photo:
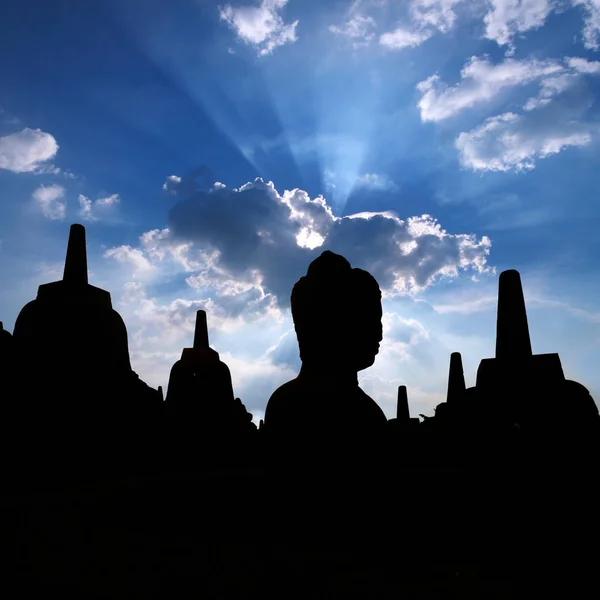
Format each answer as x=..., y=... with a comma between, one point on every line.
x=213, y=149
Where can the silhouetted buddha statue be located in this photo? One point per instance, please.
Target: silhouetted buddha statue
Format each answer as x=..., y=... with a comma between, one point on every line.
x=72, y=347
x=337, y=317
x=200, y=392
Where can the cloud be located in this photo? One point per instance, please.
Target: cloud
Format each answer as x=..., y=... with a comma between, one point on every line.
x=514, y=142
x=436, y=14
x=286, y=352
x=507, y=18
x=553, y=120
x=468, y=307
x=427, y=17
x=359, y=29
x=157, y=246
x=133, y=256
x=403, y=38
x=481, y=81
x=255, y=236
x=582, y=65
x=49, y=199
x=503, y=21
x=243, y=249
x=27, y=150
x=374, y=181
x=255, y=380
x=199, y=178
x=398, y=330
x=550, y=88
x=171, y=184
x=260, y=26
x=591, y=27
x=93, y=210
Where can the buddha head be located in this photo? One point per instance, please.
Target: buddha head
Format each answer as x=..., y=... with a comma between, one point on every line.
x=337, y=314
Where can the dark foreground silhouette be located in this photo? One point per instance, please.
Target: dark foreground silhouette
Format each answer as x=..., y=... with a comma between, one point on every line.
x=337, y=316
x=113, y=492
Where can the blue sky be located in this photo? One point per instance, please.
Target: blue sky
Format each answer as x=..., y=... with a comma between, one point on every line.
x=432, y=142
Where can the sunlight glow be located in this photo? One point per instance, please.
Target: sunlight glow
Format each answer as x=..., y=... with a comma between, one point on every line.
x=309, y=239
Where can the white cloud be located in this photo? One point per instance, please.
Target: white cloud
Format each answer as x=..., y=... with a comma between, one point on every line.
x=85, y=211
x=468, y=307
x=436, y=14
x=481, y=81
x=108, y=200
x=582, y=65
x=171, y=184
x=507, y=18
x=50, y=200
x=133, y=256
x=376, y=182
x=503, y=21
x=591, y=28
x=399, y=330
x=309, y=239
x=512, y=142
x=157, y=246
x=93, y=210
x=550, y=88
x=403, y=38
x=26, y=151
x=553, y=120
x=426, y=18
x=261, y=26
x=356, y=28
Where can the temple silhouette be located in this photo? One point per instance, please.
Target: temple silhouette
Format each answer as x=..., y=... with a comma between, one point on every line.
x=200, y=388
x=115, y=490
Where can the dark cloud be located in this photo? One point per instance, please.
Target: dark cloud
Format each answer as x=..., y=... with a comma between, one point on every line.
x=199, y=179
x=254, y=230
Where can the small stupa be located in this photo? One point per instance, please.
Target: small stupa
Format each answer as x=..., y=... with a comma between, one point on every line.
x=200, y=391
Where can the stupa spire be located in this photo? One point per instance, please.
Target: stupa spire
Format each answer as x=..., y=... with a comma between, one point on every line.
x=402, y=409
x=76, y=261
x=456, y=378
x=201, y=331
x=512, y=330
